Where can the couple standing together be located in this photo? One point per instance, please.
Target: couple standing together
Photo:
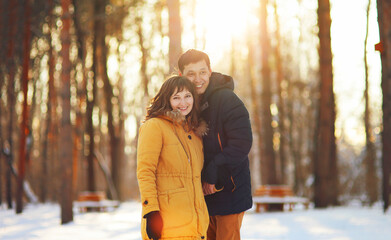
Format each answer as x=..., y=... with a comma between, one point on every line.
x=192, y=160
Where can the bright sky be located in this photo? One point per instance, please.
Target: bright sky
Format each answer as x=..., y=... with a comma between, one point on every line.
x=220, y=21
x=348, y=34
x=217, y=22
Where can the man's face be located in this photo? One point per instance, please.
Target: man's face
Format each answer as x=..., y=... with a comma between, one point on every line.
x=198, y=73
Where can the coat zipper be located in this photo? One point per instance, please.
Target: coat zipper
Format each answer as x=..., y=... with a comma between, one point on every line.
x=192, y=180
x=183, y=146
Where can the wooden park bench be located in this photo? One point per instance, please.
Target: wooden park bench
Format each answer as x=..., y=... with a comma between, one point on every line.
x=274, y=197
x=94, y=201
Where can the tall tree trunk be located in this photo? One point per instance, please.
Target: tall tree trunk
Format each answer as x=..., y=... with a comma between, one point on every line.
x=116, y=150
x=11, y=96
x=296, y=132
x=2, y=172
x=51, y=110
x=23, y=126
x=384, y=20
x=256, y=118
x=80, y=95
x=281, y=107
x=325, y=159
x=93, y=97
x=1, y=148
x=32, y=108
x=3, y=6
x=370, y=155
x=81, y=90
x=3, y=41
x=268, y=161
x=2, y=83
x=144, y=55
x=299, y=142
x=66, y=129
x=174, y=33
x=143, y=68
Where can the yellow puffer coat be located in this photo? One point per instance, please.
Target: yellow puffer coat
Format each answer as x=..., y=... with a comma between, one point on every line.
x=169, y=164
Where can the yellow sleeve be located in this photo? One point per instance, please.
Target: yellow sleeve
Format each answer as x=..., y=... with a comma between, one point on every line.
x=148, y=152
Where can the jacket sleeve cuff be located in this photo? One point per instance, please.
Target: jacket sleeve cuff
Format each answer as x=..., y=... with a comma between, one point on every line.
x=149, y=205
x=211, y=173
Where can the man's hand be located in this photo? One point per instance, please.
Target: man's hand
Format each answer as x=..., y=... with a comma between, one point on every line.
x=208, y=188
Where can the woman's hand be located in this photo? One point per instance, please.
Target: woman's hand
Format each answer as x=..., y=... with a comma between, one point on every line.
x=154, y=225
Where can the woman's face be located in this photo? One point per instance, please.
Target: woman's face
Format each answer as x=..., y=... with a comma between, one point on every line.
x=183, y=101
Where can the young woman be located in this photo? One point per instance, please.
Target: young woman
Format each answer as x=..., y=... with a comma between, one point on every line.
x=169, y=164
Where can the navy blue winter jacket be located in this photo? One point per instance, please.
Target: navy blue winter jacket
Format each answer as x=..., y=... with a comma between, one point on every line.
x=226, y=147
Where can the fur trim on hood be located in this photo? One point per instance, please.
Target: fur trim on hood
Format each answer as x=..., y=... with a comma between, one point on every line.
x=177, y=117
x=202, y=129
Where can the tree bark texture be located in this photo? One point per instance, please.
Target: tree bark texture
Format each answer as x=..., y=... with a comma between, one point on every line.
x=143, y=68
x=23, y=125
x=371, y=179
x=66, y=126
x=256, y=118
x=384, y=20
x=280, y=105
x=268, y=162
x=10, y=63
x=80, y=124
x=115, y=130
x=1, y=152
x=50, y=131
x=296, y=129
x=144, y=56
x=174, y=33
x=99, y=6
x=325, y=162
x=3, y=17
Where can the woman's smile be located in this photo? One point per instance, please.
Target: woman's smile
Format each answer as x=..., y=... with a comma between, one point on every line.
x=182, y=101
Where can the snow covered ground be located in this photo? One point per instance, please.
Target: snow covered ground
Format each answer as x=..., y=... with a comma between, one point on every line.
x=340, y=223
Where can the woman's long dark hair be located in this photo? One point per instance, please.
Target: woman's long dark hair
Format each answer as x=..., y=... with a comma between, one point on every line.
x=160, y=104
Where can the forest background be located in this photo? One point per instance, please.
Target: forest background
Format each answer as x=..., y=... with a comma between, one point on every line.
x=77, y=76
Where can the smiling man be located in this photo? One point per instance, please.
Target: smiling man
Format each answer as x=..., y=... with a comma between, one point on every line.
x=226, y=174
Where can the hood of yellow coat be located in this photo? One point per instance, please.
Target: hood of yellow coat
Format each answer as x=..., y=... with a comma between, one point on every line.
x=176, y=117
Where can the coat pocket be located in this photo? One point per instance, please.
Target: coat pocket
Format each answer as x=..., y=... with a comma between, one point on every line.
x=176, y=208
